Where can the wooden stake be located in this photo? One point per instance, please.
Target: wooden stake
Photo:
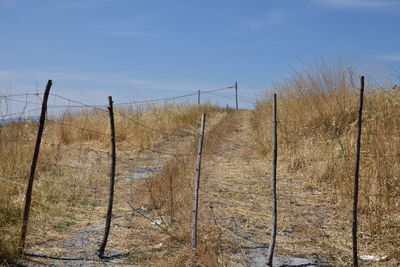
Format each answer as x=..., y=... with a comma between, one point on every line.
x=112, y=180
x=171, y=196
x=198, y=97
x=357, y=174
x=28, y=195
x=236, y=94
x=273, y=184
x=195, y=211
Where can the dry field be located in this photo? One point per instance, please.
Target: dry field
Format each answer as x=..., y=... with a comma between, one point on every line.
x=71, y=184
x=156, y=152
x=317, y=113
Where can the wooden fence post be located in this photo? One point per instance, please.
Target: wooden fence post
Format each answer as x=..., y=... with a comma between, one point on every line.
x=195, y=211
x=171, y=196
x=236, y=95
x=198, y=97
x=28, y=195
x=273, y=184
x=112, y=180
x=357, y=174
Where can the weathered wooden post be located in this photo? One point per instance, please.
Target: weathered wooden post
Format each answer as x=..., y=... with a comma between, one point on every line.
x=112, y=180
x=357, y=174
x=195, y=210
x=273, y=184
x=236, y=94
x=28, y=195
x=198, y=97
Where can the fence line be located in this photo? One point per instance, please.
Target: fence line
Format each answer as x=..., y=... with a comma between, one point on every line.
x=21, y=101
x=123, y=116
x=150, y=101
x=323, y=228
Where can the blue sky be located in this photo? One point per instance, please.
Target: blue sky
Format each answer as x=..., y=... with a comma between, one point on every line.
x=143, y=49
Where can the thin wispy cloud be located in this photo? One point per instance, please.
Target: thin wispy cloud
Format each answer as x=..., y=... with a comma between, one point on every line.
x=68, y=76
x=389, y=57
x=359, y=3
x=77, y=76
x=274, y=18
x=75, y=4
x=5, y=74
x=93, y=81
x=8, y=3
x=131, y=33
x=134, y=26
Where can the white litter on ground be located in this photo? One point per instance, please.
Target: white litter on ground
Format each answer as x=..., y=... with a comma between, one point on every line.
x=159, y=245
x=156, y=222
x=373, y=258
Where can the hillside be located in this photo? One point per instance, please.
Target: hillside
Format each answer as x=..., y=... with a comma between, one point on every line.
x=156, y=153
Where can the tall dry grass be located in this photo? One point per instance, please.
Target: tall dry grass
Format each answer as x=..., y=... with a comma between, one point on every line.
x=71, y=181
x=170, y=194
x=317, y=113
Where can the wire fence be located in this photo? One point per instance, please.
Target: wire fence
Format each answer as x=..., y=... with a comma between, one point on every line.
x=72, y=171
x=71, y=187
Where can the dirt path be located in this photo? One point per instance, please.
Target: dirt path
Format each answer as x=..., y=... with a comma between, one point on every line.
x=236, y=186
x=235, y=194
x=137, y=227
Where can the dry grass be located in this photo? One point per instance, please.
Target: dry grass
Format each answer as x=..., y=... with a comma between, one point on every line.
x=170, y=198
x=70, y=189
x=317, y=113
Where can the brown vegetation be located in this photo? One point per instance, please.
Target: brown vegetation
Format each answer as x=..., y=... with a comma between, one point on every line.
x=317, y=113
x=70, y=188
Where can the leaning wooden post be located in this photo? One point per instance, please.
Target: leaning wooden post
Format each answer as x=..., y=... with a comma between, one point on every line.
x=28, y=195
x=112, y=180
x=195, y=210
x=273, y=184
x=357, y=173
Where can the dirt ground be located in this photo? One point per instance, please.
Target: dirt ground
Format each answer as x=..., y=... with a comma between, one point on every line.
x=235, y=197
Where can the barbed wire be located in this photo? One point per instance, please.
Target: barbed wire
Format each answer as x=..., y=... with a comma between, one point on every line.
x=135, y=121
x=74, y=148
x=77, y=127
x=154, y=100
x=175, y=97
x=146, y=101
x=78, y=185
x=22, y=94
x=237, y=144
x=150, y=128
x=125, y=117
x=231, y=98
x=22, y=113
x=74, y=167
x=382, y=108
x=20, y=101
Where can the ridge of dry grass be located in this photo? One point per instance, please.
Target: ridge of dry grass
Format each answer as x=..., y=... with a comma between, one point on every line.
x=317, y=113
x=72, y=175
